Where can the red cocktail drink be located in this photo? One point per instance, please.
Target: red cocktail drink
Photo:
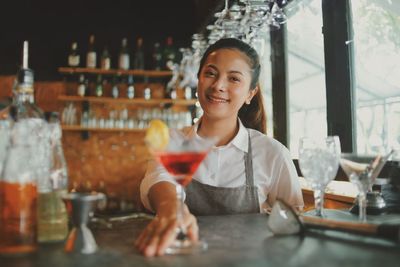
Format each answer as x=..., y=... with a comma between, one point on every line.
x=182, y=165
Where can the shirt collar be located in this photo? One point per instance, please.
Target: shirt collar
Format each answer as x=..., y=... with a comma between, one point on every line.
x=241, y=139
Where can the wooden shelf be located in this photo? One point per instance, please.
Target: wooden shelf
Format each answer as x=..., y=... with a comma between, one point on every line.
x=80, y=128
x=137, y=101
x=143, y=73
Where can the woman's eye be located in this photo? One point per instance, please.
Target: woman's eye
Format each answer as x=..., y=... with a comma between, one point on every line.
x=234, y=79
x=209, y=73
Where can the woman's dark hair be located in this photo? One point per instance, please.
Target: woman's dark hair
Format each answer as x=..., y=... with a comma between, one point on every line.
x=253, y=115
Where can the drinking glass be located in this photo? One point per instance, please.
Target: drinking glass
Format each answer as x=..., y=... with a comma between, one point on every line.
x=363, y=176
x=360, y=175
x=181, y=158
x=319, y=162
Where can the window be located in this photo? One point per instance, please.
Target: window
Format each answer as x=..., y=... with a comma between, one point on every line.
x=306, y=72
x=264, y=50
x=376, y=26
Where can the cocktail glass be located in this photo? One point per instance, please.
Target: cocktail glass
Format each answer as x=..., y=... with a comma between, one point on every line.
x=181, y=158
x=363, y=176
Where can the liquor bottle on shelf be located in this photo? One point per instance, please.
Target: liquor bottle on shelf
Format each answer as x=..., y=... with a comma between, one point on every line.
x=147, y=93
x=157, y=57
x=87, y=88
x=73, y=57
x=138, y=59
x=91, y=56
x=147, y=89
x=124, y=59
x=81, y=86
x=105, y=62
x=169, y=54
x=115, y=88
x=20, y=173
x=99, y=86
x=131, y=88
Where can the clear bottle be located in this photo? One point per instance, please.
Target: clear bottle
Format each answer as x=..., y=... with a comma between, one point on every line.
x=138, y=59
x=124, y=58
x=105, y=62
x=147, y=93
x=91, y=56
x=130, y=91
x=19, y=193
x=22, y=166
x=52, y=214
x=73, y=57
x=99, y=86
x=81, y=86
x=115, y=88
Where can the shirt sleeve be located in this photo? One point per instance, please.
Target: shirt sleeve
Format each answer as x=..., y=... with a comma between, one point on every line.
x=286, y=184
x=155, y=173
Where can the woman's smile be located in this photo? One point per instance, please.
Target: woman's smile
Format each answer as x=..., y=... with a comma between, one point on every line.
x=216, y=99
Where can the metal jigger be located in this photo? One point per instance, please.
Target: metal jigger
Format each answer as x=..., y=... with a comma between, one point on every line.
x=79, y=207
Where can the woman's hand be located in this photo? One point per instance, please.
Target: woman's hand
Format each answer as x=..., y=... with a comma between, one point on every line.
x=161, y=232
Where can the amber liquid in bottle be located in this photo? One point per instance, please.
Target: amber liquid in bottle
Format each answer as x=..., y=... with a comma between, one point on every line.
x=18, y=230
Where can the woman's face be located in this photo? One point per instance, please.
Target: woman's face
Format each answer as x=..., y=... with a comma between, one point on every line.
x=224, y=83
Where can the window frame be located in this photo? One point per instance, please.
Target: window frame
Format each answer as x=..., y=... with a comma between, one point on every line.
x=337, y=30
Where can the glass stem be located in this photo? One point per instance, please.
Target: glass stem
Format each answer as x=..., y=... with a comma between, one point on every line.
x=362, y=207
x=319, y=201
x=180, y=210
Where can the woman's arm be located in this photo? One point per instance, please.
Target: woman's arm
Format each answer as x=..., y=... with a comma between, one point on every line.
x=161, y=231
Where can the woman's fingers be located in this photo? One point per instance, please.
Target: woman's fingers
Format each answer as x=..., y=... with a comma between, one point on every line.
x=147, y=234
x=167, y=238
x=192, y=228
x=153, y=244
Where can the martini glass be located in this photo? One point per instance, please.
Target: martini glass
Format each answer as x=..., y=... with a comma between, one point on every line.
x=181, y=158
x=363, y=176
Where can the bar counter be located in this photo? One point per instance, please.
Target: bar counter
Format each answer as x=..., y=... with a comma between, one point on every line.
x=235, y=240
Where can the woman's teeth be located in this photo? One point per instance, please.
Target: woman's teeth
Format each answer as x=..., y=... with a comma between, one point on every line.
x=216, y=99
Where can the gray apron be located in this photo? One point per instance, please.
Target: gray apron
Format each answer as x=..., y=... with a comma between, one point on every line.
x=203, y=199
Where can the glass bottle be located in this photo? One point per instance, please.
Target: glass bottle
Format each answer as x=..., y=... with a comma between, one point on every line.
x=20, y=173
x=169, y=54
x=115, y=88
x=157, y=57
x=73, y=57
x=99, y=86
x=124, y=60
x=81, y=86
x=91, y=56
x=138, y=60
x=52, y=214
x=105, y=63
x=18, y=193
x=131, y=88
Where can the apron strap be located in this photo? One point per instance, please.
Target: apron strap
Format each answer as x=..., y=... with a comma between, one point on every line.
x=248, y=164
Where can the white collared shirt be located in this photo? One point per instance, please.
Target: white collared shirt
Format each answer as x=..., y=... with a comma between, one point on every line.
x=274, y=172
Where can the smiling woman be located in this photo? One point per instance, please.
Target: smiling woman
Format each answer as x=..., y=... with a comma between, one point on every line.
x=245, y=173
x=244, y=72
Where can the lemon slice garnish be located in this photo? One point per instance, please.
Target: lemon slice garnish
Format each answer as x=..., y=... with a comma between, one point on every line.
x=157, y=135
